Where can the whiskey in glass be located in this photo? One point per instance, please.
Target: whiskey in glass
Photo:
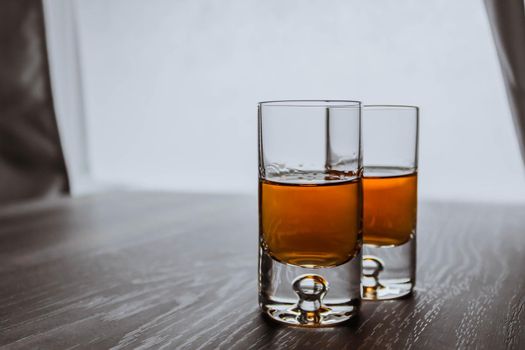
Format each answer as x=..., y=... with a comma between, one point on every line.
x=390, y=139
x=310, y=211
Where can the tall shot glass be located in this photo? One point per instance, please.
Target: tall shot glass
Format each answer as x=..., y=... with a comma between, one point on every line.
x=310, y=211
x=390, y=145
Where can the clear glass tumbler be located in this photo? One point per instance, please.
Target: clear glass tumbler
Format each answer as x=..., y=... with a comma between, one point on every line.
x=310, y=211
x=390, y=140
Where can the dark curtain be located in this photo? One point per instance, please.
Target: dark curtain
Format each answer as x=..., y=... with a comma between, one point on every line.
x=507, y=19
x=31, y=160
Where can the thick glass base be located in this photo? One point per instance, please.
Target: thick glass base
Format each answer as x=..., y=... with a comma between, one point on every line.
x=309, y=297
x=388, y=289
x=327, y=316
x=388, y=272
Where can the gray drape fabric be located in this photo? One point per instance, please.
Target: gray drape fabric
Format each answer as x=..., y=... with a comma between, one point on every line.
x=507, y=19
x=31, y=160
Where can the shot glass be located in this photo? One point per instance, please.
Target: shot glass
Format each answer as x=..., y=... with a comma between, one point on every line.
x=390, y=145
x=310, y=211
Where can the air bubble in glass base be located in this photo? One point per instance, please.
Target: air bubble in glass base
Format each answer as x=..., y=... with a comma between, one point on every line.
x=389, y=272
x=307, y=297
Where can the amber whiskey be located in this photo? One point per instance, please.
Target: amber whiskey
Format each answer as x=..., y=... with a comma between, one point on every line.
x=390, y=205
x=311, y=225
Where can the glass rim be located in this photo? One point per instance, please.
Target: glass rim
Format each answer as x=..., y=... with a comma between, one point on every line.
x=394, y=107
x=312, y=103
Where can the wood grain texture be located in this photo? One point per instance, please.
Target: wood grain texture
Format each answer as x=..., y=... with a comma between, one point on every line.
x=155, y=271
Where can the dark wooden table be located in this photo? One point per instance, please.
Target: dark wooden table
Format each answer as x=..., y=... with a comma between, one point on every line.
x=153, y=270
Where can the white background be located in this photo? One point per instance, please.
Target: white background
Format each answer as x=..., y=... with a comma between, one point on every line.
x=170, y=87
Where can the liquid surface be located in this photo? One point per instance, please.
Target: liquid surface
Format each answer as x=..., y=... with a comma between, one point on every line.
x=311, y=225
x=390, y=205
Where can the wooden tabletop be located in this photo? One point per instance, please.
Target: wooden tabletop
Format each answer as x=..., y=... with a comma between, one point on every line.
x=160, y=270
